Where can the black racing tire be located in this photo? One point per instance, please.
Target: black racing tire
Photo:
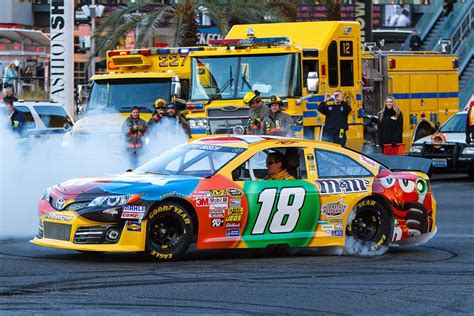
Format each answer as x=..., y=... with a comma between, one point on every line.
x=368, y=229
x=169, y=232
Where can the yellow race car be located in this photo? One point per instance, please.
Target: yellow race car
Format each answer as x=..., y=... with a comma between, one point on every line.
x=217, y=193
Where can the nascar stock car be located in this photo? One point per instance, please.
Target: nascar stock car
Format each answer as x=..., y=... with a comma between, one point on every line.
x=447, y=147
x=211, y=191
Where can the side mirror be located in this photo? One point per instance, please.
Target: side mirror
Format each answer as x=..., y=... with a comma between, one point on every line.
x=176, y=87
x=79, y=109
x=67, y=127
x=312, y=82
x=79, y=94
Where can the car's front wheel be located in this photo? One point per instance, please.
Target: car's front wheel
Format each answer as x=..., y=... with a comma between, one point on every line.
x=169, y=232
x=368, y=229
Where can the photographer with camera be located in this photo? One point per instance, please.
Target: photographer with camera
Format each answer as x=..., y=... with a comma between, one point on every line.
x=336, y=114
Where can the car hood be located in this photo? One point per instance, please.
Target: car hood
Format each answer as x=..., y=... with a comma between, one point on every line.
x=450, y=138
x=150, y=186
x=103, y=122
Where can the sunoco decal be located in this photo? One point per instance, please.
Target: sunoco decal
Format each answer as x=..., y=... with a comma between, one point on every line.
x=342, y=186
x=334, y=208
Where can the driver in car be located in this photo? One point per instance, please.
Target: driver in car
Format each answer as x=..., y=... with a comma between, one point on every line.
x=276, y=168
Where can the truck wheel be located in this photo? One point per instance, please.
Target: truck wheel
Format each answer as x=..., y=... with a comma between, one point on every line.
x=368, y=229
x=169, y=232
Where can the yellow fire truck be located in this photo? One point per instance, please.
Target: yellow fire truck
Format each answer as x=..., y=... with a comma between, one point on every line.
x=301, y=62
x=134, y=78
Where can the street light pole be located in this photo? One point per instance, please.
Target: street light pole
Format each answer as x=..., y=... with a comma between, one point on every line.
x=92, y=9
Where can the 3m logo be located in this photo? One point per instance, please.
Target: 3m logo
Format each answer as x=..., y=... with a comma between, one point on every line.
x=342, y=186
x=202, y=201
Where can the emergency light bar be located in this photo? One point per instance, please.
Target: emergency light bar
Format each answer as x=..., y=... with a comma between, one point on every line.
x=245, y=42
x=154, y=51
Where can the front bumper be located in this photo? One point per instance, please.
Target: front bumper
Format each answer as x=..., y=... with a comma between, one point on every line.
x=447, y=157
x=68, y=230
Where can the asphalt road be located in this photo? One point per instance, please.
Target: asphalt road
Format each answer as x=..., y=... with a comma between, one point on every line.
x=437, y=277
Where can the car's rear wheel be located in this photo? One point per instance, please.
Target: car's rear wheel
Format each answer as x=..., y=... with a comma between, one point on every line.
x=368, y=229
x=169, y=232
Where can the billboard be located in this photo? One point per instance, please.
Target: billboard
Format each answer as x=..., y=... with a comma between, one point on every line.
x=396, y=15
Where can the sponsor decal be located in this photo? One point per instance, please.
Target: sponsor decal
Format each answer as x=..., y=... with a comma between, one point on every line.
x=111, y=211
x=132, y=215
x=322, y=222
x=232, y=225
x=133, y=226
x=235, y=211
x=337, y=233
x=233, y=232
x=218, y=203
x=202, y=201
x=234, y=192
x=217, y=222
x=339, y=226
x=328, y=233
x=202, y=194
x=216, y=213
x=206, y=147
x=334, y=208
x=335, y=220
x=342, y=186
x=171, y=194
x=234, y=218
x=367, y=161
x=218, y=193
x=235, y=203
x=58, y=217
x=134, y=208
x=327, y=227
x=217, y=200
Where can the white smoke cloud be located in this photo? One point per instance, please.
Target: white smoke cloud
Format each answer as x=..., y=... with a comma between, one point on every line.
x=27, y=169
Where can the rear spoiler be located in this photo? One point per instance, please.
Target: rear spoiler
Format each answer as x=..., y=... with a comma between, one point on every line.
x=403, y=163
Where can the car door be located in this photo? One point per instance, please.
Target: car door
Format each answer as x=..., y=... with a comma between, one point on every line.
x=279, y=211
x=342, y=181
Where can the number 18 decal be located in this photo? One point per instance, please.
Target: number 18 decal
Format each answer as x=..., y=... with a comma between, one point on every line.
x=287, y=212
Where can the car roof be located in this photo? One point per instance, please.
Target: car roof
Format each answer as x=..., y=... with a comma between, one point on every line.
x=247, y=141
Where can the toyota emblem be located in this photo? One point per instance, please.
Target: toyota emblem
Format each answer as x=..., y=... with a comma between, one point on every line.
x=60, y=203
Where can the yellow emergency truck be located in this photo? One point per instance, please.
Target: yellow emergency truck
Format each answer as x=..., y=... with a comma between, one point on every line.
x=134, y=78
x=301, y=63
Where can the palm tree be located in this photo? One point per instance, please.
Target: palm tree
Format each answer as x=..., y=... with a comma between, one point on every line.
x=147, y=18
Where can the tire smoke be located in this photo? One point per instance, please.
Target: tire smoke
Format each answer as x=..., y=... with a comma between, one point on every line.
x=29, y=166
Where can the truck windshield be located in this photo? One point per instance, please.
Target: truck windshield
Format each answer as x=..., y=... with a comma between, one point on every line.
x=232, y=77
x=121, y=95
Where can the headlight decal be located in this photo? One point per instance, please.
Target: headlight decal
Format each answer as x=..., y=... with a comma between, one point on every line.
x=108, y=201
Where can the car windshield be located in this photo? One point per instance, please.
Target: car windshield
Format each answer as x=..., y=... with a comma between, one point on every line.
x=52, y=116
x=121, y=95
x=232, y=77
x=197, y=160
x=456, y=124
